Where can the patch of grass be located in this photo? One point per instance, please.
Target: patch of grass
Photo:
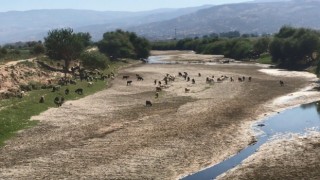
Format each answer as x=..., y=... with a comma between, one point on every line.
x=15, y=113
x=265, y=59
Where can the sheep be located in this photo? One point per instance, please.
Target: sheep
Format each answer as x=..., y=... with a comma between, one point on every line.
x=129, y=83
x=199, y=74
x=157, y=95
x=79, y=91
x=188, y=79
x=66, y=92
x=56, y=88
x=249, y=79
x=90, y=84
x=41, y=99
x=231, y=79
x=158, y=89
x=140, y=78
x=186, y=90
x=73, y=82
x=125, y=77
x=193, y=81
x=148, y=103
x=180, y=74
x=21, y=94
x=57, y=101
x=281, y=83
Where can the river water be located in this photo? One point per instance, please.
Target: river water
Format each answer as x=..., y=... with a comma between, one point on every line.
x=298, y=120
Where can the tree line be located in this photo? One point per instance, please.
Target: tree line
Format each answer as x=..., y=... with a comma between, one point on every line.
x=67, y=45
x=292, y=48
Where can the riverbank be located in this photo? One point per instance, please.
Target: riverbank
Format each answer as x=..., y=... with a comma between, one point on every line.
x=111, y=134
x=287, y=156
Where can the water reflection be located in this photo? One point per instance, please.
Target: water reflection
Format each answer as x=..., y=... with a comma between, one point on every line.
x=311, y=105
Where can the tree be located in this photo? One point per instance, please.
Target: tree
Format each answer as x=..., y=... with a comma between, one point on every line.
x=120, y=44
x=261, y=45
x=38, y=49
x=94, y=60
x=64, y=44
x=294, y=47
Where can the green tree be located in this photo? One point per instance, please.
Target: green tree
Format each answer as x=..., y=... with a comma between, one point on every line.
x=120, y=44
x=38, y=49
x=94, y=60
x=261, y=45
x=64, y=44
x=294, y=47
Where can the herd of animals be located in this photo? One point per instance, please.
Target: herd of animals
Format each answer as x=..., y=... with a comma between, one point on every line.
x=160, y=84
x=168, y=78
x=89, y=76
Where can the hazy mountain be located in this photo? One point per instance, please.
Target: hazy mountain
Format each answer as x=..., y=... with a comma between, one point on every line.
x=256, y=16
x=250, y=17
x=34, y=24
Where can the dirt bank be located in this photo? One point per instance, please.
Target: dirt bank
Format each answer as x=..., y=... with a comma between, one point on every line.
x=112, y=135
x=288, y=156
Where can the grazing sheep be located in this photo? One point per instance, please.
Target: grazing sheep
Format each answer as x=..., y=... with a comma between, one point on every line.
x=125, y=77
x=180, y=74
x=56, y=88
x=186, y=90
x=249, y=79
x=231, y=79
x=79, y=91
x=140, y=78
x=159, y=82
x=199, y=74
x=57, y=101
x=240, y=79
x=73, y=82
x=155, y=82
x=148, y=103
x=129, y=83
x=157, y=94
x=158, y=89
x=281, y=83
x=243, y=78
x=21, y=94
x=41, y=99
x=90, y=84
x=188, y=79
x=193, y=81
x=66, y=92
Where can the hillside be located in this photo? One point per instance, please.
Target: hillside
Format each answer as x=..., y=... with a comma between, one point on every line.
x=34, y=24
x=264, y=17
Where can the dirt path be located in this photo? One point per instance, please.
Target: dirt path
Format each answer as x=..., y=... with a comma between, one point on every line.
x=112, y=135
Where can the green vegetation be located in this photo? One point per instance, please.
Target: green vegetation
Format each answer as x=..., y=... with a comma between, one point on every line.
x=237, y=48
x=120, y=44
x=15, y=113
x=291, y=48
x=64, y=44
x=295, y=48
x=94, y=60
x=21, y=50
x=265, y=59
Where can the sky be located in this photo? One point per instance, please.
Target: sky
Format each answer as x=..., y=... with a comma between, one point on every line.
x=106, y=5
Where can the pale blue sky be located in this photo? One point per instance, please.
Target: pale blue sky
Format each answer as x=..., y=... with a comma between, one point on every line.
x=106, y=5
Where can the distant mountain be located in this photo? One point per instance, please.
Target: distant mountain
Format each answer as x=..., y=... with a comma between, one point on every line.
x=266, y=17
x=34, y=25
x=257, y=16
